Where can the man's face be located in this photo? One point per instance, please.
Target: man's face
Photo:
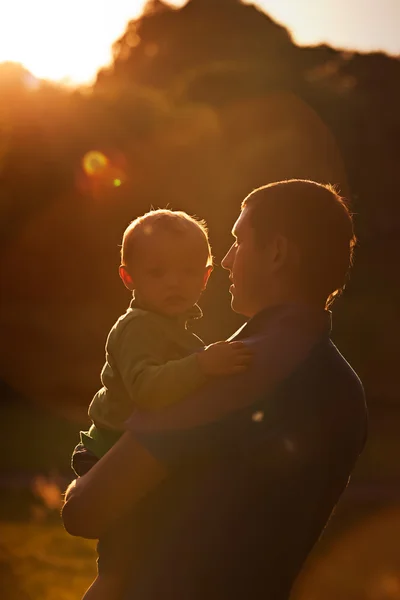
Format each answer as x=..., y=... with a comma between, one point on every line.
x=250, y=268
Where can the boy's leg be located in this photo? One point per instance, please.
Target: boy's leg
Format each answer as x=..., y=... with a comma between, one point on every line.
x=82, y=460
x=111, y=561
x=113, y=550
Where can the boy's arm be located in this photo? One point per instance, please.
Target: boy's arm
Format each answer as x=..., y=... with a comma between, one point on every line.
x=154, y=384
x=150, y=382
x=158, y=385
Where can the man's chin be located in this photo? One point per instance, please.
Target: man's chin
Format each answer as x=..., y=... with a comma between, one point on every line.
x=235, y=305
x=239, y=307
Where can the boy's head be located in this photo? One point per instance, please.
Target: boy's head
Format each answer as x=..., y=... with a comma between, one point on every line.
x=166, y=260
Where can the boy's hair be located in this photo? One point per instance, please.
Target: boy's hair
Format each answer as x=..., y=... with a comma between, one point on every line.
x=175, y=221
x=317, y=219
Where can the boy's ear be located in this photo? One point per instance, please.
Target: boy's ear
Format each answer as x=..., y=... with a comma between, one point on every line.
x=207, y=274
x=126, y=278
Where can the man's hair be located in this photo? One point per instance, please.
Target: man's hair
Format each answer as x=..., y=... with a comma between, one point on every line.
x=317, y=219
x=174, y=221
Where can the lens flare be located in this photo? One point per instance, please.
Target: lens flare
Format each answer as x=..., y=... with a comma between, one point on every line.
x=94, y=163
x=101, y=173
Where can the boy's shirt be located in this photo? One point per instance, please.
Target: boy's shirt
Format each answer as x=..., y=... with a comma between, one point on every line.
x=150, y=364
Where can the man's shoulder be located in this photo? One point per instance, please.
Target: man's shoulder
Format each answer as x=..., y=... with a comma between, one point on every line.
x=330, y=392
x=334, y=372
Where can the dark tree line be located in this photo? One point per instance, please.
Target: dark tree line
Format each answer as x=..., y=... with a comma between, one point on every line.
x=200, y=106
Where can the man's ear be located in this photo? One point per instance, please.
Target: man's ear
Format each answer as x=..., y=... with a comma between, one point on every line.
x=207, y=274
x=280, y=252
x=126, y=278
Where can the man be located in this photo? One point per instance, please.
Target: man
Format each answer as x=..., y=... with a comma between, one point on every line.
x=229, y=490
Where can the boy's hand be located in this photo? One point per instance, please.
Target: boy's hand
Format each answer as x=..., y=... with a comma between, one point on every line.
x=224, y=358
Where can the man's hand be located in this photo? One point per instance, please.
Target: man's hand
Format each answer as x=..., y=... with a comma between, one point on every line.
x=224, y=358
x=111, y=488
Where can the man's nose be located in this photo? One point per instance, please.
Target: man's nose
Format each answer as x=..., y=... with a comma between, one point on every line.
x=227, y=261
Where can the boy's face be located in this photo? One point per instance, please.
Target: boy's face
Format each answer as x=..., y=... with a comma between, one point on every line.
x=169, y=272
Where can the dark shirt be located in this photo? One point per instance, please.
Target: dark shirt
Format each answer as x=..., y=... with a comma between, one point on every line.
x=256, y=461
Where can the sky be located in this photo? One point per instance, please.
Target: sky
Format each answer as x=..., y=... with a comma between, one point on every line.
x=69, y=41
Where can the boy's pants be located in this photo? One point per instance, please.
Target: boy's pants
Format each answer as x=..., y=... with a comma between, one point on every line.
x=82, y=460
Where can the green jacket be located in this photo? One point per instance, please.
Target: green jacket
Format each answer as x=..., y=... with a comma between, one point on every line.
x=150, y=363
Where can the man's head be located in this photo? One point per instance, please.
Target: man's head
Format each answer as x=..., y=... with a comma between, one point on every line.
x=294, y=243
x=166, y=260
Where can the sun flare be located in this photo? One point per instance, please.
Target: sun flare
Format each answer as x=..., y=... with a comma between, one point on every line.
x=62, y=41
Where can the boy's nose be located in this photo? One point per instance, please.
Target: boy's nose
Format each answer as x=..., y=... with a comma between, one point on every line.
x=172, y=280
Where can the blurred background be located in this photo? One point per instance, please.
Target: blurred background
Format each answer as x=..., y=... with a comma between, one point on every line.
x=108, y=108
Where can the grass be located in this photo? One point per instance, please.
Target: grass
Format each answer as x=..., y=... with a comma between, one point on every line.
x=39, y=561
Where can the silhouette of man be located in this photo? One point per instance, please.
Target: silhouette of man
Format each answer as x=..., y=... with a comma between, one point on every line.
x=228, y=491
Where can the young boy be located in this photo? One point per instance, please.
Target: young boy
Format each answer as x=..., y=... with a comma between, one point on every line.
x=152, y=359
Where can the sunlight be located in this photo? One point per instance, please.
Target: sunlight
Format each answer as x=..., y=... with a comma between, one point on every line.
x=60, y=41
x=69, y=41
x=362, y=25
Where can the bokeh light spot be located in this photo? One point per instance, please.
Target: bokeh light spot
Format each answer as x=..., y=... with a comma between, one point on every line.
x=31, y=82
x=258, y=416
x=132, y=39
x=117, y=182
x=289, y=445
x=94, y=162
x=151, y=50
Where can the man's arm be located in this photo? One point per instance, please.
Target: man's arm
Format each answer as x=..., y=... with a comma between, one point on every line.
x=111, y=488
x=187, y=432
